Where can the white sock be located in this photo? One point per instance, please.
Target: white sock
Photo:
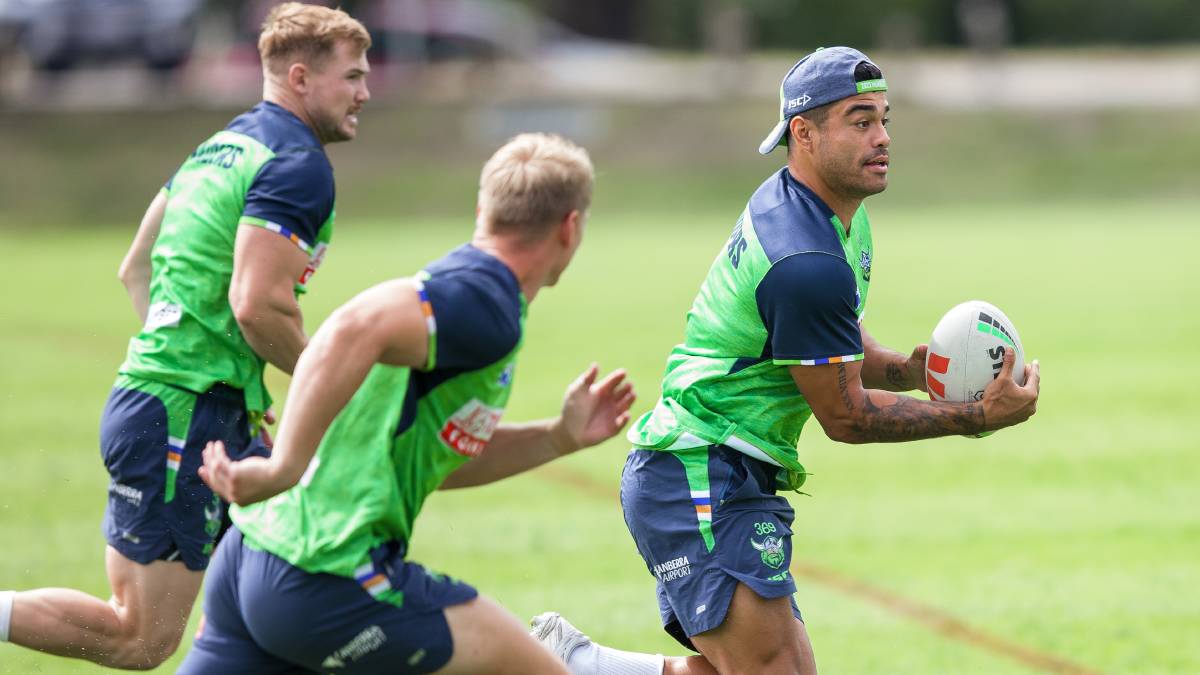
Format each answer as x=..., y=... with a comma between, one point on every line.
x=593, y=659
x=6, y=603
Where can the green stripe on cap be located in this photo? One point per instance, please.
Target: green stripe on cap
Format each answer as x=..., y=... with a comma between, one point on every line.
x=871, y=85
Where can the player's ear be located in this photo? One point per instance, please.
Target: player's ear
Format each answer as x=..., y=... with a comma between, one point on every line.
x=800, y=131
x=297, y=77
x=570, y=230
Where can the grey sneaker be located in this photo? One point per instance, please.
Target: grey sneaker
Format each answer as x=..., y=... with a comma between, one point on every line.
x=557, y=634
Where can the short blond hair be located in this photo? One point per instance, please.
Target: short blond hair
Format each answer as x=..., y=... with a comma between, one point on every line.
x=533, y=182
x=295, y=32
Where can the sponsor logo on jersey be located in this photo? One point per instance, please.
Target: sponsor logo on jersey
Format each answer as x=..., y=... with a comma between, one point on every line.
x=129, y=494
x=469, y=430
x=673, y=569
x=771, y=551
x=163, y=315
x=364, y=643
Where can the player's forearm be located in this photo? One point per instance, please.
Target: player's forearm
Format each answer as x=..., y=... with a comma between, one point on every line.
x=883, y=417
x=136, y=267
x=514, y=448
x=884, y=368
x=137, y=285
x=274, y=330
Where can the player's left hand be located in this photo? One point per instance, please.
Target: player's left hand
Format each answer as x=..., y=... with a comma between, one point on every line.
x=594, y=412
x=915, y=366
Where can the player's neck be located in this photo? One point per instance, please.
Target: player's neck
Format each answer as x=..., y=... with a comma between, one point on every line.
x=527, y=264
x=289, y=102
x=843, y=207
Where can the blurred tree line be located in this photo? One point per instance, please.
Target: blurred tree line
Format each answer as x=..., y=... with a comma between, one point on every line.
x=787, y=24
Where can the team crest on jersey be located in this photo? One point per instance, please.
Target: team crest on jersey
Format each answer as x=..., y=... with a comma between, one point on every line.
x=864, y=261
x=469, y=430
x=771, y=550
x=505, y=378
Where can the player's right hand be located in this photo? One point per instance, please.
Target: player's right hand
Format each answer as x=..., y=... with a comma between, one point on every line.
x=1005, y=402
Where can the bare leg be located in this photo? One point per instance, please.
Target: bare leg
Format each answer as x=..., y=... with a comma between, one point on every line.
x=758, y=636
x=488, y=640
x=138, y=628
x=688, y=665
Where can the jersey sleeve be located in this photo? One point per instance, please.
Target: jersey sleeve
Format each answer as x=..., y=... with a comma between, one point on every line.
x=292, y=195
x=471, y=325
x=808, y=304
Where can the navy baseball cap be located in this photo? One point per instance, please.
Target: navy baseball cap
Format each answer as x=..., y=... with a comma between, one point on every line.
x=822, y=77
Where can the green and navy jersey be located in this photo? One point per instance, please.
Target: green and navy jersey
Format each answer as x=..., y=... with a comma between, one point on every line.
x=404, y=430
x=788, y=288
x=265, y=169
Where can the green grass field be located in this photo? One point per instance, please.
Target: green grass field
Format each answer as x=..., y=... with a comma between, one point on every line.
x=1074, y=537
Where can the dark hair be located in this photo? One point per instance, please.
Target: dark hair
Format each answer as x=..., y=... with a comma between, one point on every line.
x=865, y=70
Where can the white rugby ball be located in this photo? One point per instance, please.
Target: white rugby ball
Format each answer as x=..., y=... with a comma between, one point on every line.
x=967, y=351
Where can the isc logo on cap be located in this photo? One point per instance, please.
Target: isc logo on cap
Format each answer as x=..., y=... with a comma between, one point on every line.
x=798, y=101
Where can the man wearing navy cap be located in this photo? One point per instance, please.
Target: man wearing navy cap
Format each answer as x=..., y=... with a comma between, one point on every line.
x=774, y=336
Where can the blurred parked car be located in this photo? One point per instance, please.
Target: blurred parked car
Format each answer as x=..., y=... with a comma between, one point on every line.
x=422, y=31
x=59, y=34
x=481, y=30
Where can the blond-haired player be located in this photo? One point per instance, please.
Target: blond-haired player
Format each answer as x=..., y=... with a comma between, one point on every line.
x=214, y=273
x=401, y=393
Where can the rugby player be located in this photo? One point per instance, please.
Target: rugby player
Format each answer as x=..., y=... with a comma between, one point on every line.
x=214, y=273
x=401, y=393
x=774, y=336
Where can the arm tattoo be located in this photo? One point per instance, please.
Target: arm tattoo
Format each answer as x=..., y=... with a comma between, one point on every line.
x=844, y=387
x=909, y=419
x=897, y=377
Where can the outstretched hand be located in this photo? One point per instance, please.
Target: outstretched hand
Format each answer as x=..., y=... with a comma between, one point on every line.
x=594, y=412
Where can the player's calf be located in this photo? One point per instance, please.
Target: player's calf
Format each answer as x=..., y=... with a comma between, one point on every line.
x=758, y=636
x=69, y=623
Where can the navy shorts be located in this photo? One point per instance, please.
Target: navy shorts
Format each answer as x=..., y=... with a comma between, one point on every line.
x=705, y=520
x=151, y=438
x=264, y=616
